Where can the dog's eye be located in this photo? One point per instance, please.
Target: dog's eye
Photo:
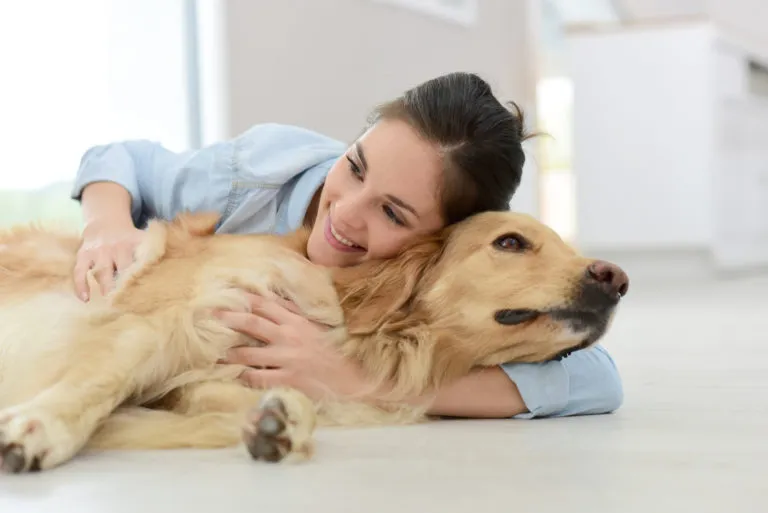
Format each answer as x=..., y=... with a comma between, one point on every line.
x=511, y=242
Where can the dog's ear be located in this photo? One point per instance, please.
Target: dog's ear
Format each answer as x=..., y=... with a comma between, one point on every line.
x=379, y=293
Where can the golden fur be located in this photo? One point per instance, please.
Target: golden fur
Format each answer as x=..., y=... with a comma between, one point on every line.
x=138, y=368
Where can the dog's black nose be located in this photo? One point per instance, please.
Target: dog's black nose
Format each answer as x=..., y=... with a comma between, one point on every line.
x=610, y=276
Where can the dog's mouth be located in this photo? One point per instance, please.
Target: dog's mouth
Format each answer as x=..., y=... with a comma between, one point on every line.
x=580, y=320
x=587, y=325
x=516, y=316
x=592, y=324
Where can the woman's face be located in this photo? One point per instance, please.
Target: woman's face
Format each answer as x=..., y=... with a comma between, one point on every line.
x=380, y=195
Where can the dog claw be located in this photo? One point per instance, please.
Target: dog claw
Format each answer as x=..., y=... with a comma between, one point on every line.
x=12, y=458
x=26, y=441
x=266, y=438
x=270, y=425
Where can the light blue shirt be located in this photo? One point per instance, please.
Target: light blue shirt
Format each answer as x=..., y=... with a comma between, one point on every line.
x=262, y=182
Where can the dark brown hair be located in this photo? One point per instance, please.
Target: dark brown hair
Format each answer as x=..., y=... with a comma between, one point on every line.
x=480, y=140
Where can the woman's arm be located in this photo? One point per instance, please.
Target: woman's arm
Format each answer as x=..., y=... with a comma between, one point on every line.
x=132, y=178
x=238, y=177
x=486, y=393
x=586, y=382
x=108, y=203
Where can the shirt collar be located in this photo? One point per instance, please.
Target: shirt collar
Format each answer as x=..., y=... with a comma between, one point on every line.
x=301, y=193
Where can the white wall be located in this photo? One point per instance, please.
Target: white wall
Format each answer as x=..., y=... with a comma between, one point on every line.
x=743, y=22
x=671, y=144
x=740, y=162
x=643, y=121
x=325, y=64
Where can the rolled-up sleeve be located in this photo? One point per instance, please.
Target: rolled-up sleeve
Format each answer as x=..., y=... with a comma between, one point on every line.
x=586, y=382
x=118, y=163
x=238, y=178
x=161, y=182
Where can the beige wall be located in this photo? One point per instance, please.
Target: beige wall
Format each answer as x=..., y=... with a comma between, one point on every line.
x=324, y=63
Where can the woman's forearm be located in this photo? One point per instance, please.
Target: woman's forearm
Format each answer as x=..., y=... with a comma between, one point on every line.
x=485, y=393
x=106, y=203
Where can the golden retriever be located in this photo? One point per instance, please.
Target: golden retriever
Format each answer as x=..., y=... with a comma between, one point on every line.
x=140, y=367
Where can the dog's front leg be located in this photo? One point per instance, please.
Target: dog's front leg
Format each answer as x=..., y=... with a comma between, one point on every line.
x=278, y=423
x=106, y=363
x=275, y=425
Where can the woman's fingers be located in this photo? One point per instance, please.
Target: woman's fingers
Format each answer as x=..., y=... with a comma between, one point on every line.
x=253, y=325
x=276, y=310
x=103, y=267
x=257, y=356
x=123, y=259
x=104, y=272
x=81, y=282
x=106, y=248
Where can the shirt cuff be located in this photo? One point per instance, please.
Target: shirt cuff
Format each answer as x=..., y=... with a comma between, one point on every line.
x=544, y=387
x=107, y=164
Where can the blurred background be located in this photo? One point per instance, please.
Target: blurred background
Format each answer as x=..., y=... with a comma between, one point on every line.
x=656, y=110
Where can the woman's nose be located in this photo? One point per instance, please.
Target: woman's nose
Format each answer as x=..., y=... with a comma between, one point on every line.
x=350, y=213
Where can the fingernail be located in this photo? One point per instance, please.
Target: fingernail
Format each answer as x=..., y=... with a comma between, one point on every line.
x=84, y=296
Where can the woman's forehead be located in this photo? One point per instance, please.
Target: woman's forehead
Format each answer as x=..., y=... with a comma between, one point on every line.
x=395, y=149
x=400, y=162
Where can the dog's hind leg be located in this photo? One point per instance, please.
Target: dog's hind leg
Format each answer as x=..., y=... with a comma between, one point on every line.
x=136, y=428
x=275, y=425
x=105, y=366
x=280, y=428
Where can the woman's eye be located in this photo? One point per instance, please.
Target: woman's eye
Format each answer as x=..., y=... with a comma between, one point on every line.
x=354, y=168
x=510, y=242
x=392, y=216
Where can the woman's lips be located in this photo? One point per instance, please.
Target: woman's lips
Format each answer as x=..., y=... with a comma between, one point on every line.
x=338, y=241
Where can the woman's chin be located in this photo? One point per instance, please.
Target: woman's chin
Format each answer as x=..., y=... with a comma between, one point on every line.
x=320, y=253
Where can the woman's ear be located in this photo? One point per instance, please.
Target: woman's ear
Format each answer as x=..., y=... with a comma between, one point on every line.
x=377, y=293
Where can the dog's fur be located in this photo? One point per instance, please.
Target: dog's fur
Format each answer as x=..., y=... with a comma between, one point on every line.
x=139, y=367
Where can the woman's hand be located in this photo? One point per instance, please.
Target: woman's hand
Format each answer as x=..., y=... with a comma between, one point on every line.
x=296, y=351
x=107, y=248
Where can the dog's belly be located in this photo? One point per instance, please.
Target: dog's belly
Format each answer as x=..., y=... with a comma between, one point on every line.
x=33, y=333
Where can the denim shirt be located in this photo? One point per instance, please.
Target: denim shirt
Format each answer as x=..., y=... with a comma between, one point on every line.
x=262, y=181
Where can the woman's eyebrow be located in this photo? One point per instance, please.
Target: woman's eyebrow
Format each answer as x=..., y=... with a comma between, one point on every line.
x=402, y=204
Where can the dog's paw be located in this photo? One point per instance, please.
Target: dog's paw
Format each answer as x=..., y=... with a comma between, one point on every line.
x=27, y=441
x=280, y=428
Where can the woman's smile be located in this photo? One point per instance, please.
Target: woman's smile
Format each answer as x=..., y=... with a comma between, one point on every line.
x=339, y=241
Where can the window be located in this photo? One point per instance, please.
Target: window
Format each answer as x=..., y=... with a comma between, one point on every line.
x=77, y=74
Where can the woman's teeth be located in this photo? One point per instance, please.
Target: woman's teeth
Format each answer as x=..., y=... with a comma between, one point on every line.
x=341, y=239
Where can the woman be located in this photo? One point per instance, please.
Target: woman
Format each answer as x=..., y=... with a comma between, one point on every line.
x=443, y=151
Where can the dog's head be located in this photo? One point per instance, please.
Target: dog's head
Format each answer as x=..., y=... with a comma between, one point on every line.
x=498, y=287
x=518, y=292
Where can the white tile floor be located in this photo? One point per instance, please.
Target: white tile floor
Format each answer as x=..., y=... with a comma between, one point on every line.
x=691, y=436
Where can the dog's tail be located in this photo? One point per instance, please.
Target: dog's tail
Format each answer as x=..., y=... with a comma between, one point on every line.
x=144, y=429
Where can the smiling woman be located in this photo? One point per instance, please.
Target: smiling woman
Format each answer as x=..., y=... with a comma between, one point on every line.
x=441, y=152
x=375, y=200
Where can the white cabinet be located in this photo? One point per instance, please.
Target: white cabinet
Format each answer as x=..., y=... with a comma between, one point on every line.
x=670, y=143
